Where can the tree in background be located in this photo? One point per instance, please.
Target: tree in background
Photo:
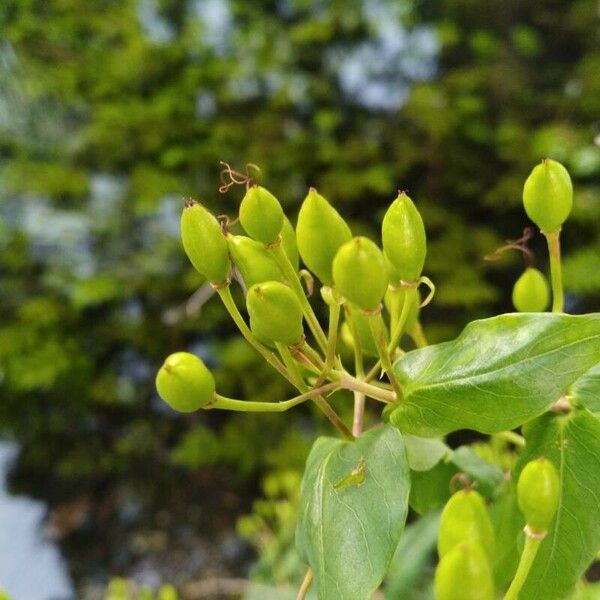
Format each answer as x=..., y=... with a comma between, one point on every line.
x=110, y=112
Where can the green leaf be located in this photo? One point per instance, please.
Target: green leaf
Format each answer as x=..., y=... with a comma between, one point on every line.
x=586, y=390
x=508, y=525
x=412, y=556
x=572, y=443
x=424, y=453
x=431, y=489
x=353, y=507
x=485, y=474
x=498, y=374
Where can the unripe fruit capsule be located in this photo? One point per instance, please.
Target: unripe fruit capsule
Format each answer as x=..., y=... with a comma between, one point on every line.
x=548, y=195
x=253, y=260
x=184, y=382
x=359, y=273
x=538, y=494
x=403, y=237
x=363, y=332
x=531, y=292
x=320, y=232
x=275, y=313
x=394, y=300
x=204, y=242
x=261, y=214
x=288, y=239
x=465, y=518
x=464, y=574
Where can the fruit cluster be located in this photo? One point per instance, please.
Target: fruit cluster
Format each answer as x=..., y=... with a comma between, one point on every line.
x=356, y=275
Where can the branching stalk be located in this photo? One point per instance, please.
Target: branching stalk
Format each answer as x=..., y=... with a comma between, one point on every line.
x=532, y=545
x=232, y=309
x=378, y=331
x=225, y=403
x=278, y=253
x=553, y=240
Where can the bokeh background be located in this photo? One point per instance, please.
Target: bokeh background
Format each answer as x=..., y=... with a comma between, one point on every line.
x=111, y=112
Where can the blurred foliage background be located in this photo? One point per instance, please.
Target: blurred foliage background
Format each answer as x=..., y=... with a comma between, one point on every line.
x=112, y=111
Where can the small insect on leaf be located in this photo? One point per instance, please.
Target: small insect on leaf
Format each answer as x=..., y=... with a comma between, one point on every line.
x=355, y=477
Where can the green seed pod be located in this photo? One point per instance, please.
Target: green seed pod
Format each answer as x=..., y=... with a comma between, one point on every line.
x=393, y=273
x=184, y=382
x=538, y=493
x=465, y=518
x=531, y=292
x=320, y=232
x=548, y=195
x=253, y=260
x=288, y=239
x=275, y=313
x=261, y=214
x=359, y=273
x=464, y=574
x=394, y=303
x=363, y=331
x=403, y=237
x=204, y=242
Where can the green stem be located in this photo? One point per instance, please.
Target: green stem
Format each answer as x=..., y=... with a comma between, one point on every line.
x=359, y=368
x=532, y=545
x=288, y=270
x=553, y=240
x=373, y=391
x=292, y=365
x=512, y=437
x=332, y=334
x=378, y=330
x=318, y=400
x=396, y=335
x=418, y=335
x=313, y=356
x=232, y=309
x=225, y=403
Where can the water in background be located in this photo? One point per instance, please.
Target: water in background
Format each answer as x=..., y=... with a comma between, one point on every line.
x=31, y=567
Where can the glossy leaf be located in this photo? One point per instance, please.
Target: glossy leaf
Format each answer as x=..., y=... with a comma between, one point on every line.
x=353, y=507
x=487, y=476
x=508, y=525
x=498, y=374
x=586, y=390
x=412, y=557
x=424, y=453
x=572, y=443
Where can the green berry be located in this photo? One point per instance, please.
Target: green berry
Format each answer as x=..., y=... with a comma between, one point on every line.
x=359, y=273
x=275, y=313
x=204, y=242
x=465, y=518
x=531, y=292
x=464, y=573
x=253, y=260
x=288, y=239
x=403, y=237
x=184, y=382
x=320, y=232
x=261, y=214
x=538, y=494
x=548, y=195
